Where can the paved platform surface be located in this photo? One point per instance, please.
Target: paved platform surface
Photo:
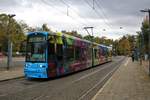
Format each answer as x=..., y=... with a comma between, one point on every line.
x=11, y=74
x=129, y=82
x=15, y=70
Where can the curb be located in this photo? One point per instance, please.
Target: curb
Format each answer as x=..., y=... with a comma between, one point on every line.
x=11, y=78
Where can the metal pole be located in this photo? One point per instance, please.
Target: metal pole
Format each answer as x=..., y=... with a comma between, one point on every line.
x=140, y=47
x=93, y=5
x=149, y=41
x=8, y=48
x=92, y=47
x=9, y=52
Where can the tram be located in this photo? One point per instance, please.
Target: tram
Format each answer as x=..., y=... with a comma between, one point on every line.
x=55, y=54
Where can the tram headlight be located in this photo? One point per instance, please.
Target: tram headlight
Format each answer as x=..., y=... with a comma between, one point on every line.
x=42, y=66
x=27, y=65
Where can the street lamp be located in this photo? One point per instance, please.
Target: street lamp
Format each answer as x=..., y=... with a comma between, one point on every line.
x=104, y=29
x=121, y=27
x=9, y=55
x=148, y=11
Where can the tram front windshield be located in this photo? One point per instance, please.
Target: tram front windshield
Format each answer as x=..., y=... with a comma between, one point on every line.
x=36, y=49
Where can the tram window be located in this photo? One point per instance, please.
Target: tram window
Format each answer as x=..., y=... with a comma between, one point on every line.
x=77, y=53
x=70, y=53
x=84, y=52
x=59, y=52
x=95, y=53
x=106, y=52
x=51, y=50
x=103, y=52
x=64, y=41
x=89, y=54
x=110, y=53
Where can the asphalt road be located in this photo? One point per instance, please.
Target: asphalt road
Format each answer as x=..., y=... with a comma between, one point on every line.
x=78, y=86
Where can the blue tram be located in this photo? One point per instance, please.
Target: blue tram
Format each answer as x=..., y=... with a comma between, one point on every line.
x=54, y=54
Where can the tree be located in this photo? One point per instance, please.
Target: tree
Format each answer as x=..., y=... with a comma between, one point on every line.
x=97, y=39
x=115, y=47
x=131, y=39
x=23, y=26
x=124, y=46
x=145, y=33
x=88, y=37
x=45, y=28
x=10, y=26
x=3, y=29
x=102, y=40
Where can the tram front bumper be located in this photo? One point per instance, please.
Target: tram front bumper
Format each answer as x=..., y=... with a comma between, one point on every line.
x=35, y=73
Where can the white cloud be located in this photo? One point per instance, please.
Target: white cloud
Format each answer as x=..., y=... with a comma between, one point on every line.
x=54, y=13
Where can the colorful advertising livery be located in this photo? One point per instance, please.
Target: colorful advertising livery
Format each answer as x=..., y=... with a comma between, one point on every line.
x=54, y=54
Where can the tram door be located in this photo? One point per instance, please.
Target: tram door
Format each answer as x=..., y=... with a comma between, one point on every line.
x=52, y=71
x=59, y=55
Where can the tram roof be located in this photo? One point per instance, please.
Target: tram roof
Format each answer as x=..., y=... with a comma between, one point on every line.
x=41, y=32
x=69, y=36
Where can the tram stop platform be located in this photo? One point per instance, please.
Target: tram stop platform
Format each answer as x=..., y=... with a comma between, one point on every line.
x=15, y=71
x=11, y=74
x=129, y=82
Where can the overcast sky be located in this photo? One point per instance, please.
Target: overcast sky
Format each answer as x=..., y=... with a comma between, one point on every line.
x=105, y=14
